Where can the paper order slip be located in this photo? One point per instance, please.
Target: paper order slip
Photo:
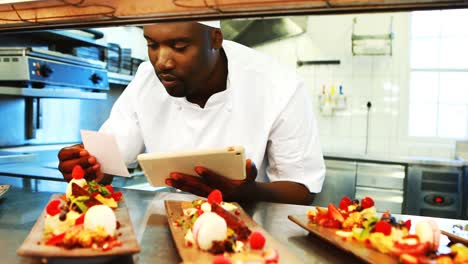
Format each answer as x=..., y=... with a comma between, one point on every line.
x=104, y=147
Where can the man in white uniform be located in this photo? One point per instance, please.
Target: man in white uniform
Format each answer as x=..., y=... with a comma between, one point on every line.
x=198, y=91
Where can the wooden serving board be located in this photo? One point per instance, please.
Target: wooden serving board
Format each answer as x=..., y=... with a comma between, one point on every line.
x=354, y=247
x=194, y=255
x=32, y=248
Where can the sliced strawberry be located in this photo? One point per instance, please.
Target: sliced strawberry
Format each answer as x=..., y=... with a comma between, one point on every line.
x=55, y=240
x=53, y=207
x=78, y=172
x=117, y=196
x=332, y=223
x=367, y=202
x=345, y=202
x=334, y=213
x=80, y=220
x=321, y=219
x=383, y=227
x=220, y=259
x=110, y=188
x=257, y=240
x=215, y=197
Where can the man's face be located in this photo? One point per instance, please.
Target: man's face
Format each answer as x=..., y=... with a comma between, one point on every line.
x=181, y=55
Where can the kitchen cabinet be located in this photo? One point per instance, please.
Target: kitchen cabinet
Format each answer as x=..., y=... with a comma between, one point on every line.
x=340, y=180
x=358, y=179
x=383, y=182
x=56, y=13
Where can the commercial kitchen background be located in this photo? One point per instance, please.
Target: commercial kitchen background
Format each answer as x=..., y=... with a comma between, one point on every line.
x=411, y=104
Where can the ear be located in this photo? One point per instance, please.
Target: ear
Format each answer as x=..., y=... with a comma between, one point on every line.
x=216, y=38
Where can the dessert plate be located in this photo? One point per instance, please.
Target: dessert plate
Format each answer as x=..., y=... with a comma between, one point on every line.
x=354, y=247
x=33, y=245
x=174, y=210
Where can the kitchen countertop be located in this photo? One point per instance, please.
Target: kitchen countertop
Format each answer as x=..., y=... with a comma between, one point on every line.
x=410, y=160
x=21, y=206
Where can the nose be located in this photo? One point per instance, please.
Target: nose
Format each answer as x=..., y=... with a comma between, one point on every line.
x=164, y=60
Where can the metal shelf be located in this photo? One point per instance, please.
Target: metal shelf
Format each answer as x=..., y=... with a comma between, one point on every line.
x=58, y=92
x=119, y=78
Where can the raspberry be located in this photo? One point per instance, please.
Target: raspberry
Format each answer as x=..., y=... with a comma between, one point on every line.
x=220, y=259
x=53, y=207
x=383, y=227
x=257, y=240
x=345, y=202
x=78, y=172
x=408, y=224
x=215, y=197
x=367, y=202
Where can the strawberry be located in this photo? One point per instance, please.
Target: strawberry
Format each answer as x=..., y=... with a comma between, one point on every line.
x=367, y=202
x=257, y=240
x=345, y=202
x=80, y=220
x=215, y=196
x=220, y=259
x=53, y=207
x=78, y=172
x=117, y=196
x=383, y=227
x=334, y=213
x=55, y=239
x=331, y=223
x=109, y=188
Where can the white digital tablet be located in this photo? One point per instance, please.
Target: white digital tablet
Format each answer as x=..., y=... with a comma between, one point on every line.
x=228, y=162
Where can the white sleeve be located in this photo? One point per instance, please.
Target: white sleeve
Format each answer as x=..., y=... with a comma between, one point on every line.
x=294, y=151
x=124, y=125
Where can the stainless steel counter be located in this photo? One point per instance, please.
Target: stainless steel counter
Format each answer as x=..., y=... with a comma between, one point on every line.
x=21, y=206
x=410, y=160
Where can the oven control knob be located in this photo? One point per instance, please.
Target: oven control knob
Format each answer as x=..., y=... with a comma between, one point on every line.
x=95, y=78
x=45, y=70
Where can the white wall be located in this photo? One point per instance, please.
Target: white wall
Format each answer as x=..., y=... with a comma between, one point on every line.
x=127, y=37
x=382, y=80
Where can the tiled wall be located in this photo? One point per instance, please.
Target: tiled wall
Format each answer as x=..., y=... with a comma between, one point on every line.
x=382, y=80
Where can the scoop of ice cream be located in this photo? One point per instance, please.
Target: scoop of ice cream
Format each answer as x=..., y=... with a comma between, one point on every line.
x=81, y=182
x=207, y=228
x=428, y=231
x=100, y=216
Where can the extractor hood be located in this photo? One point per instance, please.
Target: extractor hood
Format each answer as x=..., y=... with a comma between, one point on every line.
x=260, y=31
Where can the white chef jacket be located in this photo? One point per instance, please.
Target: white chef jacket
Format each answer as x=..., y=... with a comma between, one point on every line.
x=265, y=108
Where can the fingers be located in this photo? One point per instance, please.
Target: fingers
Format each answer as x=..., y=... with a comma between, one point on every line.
x=213, y=179
x=250, y=170
x=72, y=152
x=68, y=165
x=188, y=183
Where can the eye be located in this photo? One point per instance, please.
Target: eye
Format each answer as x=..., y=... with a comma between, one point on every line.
x=153, y=45
x=179, y=46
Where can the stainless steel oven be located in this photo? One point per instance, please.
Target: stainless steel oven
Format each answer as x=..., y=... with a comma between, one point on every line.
x=434, y=190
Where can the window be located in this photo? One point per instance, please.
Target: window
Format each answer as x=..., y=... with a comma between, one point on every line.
x=438, y=97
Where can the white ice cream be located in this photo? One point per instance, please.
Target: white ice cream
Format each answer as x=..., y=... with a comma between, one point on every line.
x=207, y=228
x=100, y=216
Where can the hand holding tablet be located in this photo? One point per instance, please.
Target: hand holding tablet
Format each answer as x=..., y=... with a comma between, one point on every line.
x=228, y=162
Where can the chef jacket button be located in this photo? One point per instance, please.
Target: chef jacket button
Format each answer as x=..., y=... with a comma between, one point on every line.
x=179, y=107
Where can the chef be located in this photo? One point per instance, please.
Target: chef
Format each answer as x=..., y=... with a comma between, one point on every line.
x=199, y=91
